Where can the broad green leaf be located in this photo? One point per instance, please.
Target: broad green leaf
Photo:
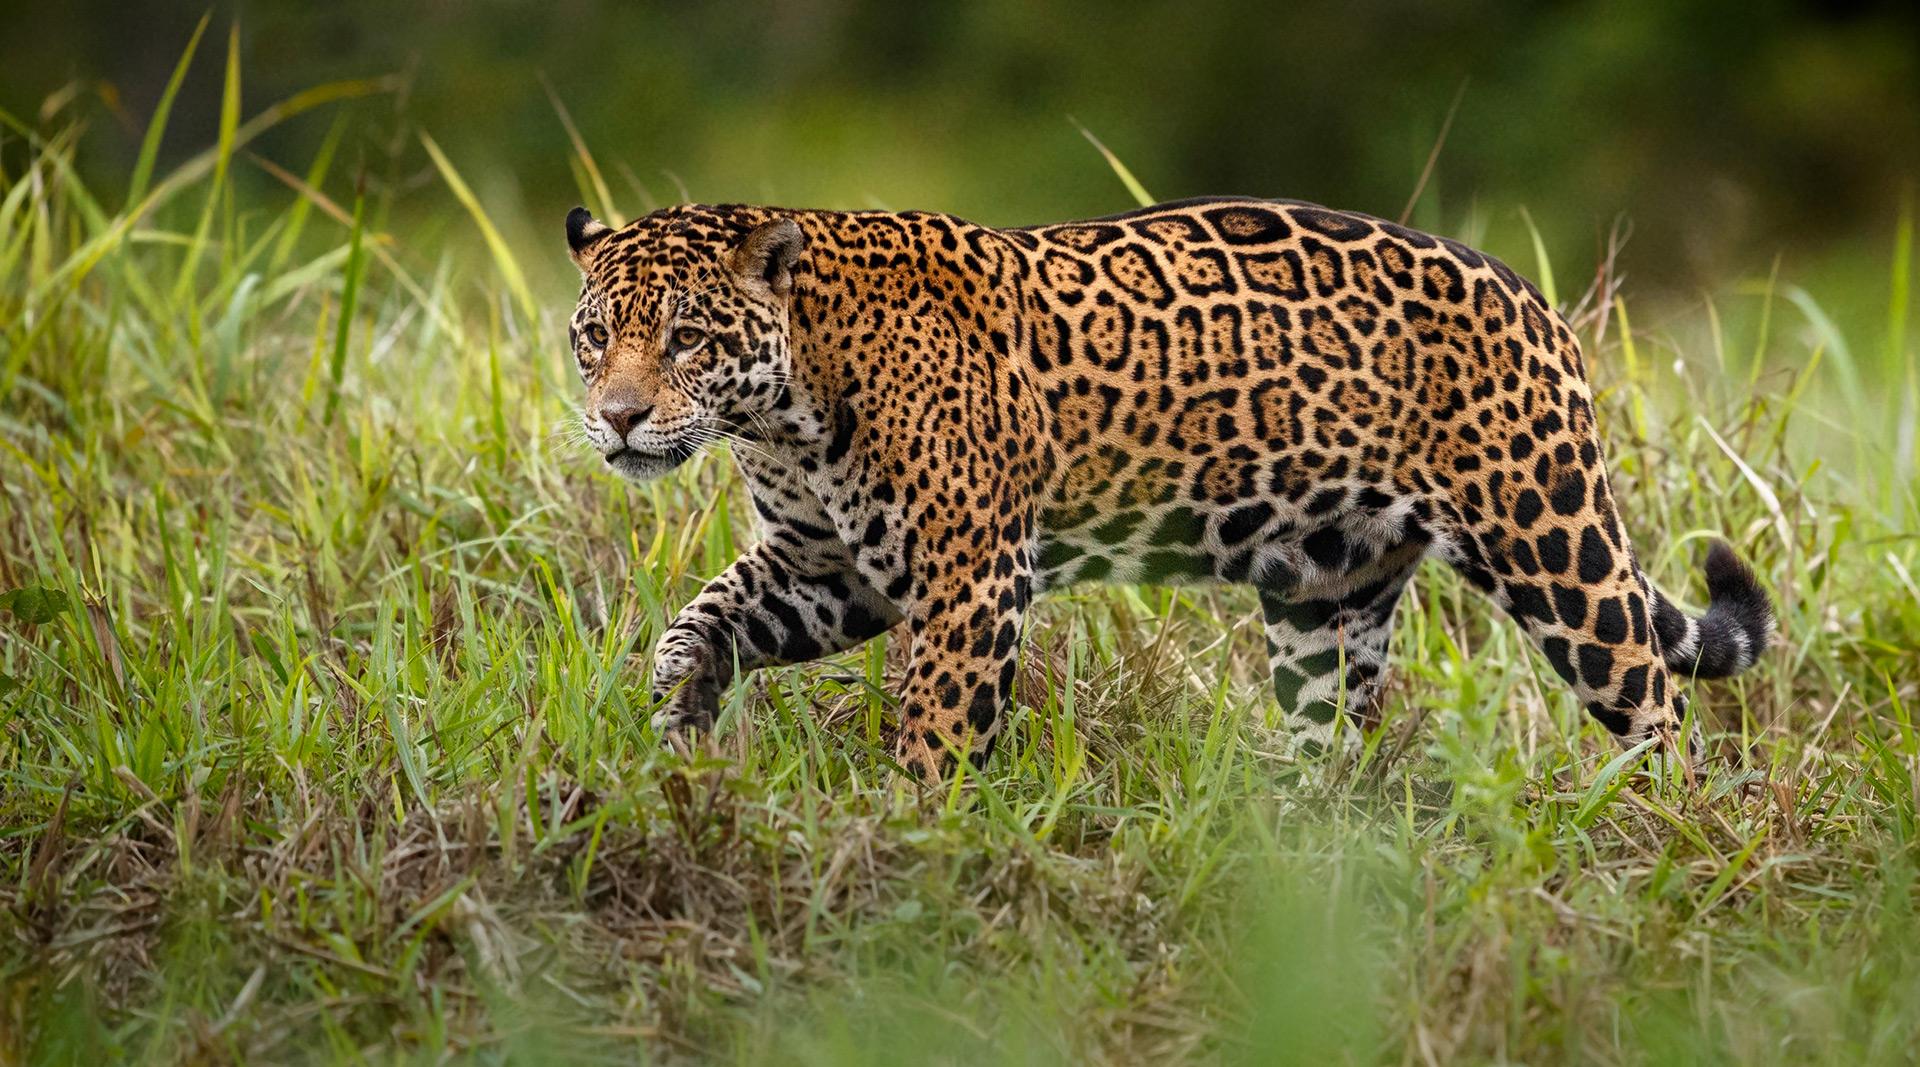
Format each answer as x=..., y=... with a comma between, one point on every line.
x=36, y=605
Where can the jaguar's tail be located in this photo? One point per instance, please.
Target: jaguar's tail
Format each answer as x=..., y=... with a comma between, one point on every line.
x=1730, y=636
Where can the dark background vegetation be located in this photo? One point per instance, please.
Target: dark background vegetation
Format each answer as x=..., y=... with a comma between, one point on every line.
x=1723, y=132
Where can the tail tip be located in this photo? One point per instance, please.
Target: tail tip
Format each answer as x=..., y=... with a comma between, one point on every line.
x=1732, y=588
x=1725, y=568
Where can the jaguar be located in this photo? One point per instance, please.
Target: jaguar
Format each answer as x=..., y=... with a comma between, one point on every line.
x=938, y=420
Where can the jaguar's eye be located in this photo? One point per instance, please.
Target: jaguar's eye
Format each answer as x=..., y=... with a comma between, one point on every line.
x=686, y=337
x=597, y=335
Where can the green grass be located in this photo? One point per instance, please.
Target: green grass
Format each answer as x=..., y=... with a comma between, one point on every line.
x=322, y=727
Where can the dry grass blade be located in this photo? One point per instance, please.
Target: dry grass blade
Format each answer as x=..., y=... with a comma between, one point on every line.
x=1433, y=156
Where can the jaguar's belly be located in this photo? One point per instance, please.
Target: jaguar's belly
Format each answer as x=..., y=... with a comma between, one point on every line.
x=1246, y=543
x=1272, y=533
x=1167, y=547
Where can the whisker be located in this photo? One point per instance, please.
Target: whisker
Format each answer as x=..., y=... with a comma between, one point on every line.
x=718, y=431
x=766, y=429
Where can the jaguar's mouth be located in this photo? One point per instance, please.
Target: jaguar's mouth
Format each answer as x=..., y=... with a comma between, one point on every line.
x=636, y=465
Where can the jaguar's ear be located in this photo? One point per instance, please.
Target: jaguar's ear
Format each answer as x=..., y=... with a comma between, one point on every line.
x=583, y=230
x=765, y=257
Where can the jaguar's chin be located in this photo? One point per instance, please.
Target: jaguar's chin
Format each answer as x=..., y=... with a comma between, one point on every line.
x=637, y=466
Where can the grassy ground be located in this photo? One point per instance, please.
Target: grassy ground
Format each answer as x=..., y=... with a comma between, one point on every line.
x=322, y=732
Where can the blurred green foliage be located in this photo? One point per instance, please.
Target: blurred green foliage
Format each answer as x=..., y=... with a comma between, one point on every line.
x=1724, y=132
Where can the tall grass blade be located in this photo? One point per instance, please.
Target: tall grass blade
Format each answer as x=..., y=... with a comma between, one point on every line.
x=1541, y=261
x=222, y=160
x=1134, y=188
x=1831, y=338
x=502, y=255
x=157, y=126
x=1897, y=359
x=316, y=178
x=602, y=196
x=349, y=303
x=1433, y=155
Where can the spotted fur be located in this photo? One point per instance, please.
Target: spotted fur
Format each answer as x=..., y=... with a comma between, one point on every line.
x=937, y=420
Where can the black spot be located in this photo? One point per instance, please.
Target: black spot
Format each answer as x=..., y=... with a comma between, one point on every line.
x=1374, y=500
x=1326, y=547
x=1596, y=665
x=1182, y=526
x=1610, y=623
x=1326, y=500
x=1596, y=562
x=799, y=647
x=1523, y=558
x=1569, y=493
x=1237, y=567
x=1556, y=649
x=1554, y=551
x=982, y=637
x=1242, y=523
x=1478, y=575
x=1633, y=685
x=1164, y=566
x=1411, y=237
x=1334, y=224
x=1240, y=224
x=1616, y=722
x=859, y=623
x=1526, y=602
x=1570, y=603
x=1527, y=508
x=760, y=635
x=1095, y=569
x=983, y=709
x=844, y=423
x=1465, y=255
x=1003, y=641
x=1118, y=528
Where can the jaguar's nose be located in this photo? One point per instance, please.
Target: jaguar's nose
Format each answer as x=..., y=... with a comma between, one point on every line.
x=623, y=417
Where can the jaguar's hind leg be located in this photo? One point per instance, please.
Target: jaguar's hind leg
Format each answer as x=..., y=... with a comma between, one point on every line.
x=1313, y=631
x=1567, y=574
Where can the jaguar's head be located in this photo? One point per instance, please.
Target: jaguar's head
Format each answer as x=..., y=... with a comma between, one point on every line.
x=681, y=335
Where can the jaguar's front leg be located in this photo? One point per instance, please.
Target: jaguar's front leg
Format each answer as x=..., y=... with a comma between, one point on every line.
x=784, y=600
